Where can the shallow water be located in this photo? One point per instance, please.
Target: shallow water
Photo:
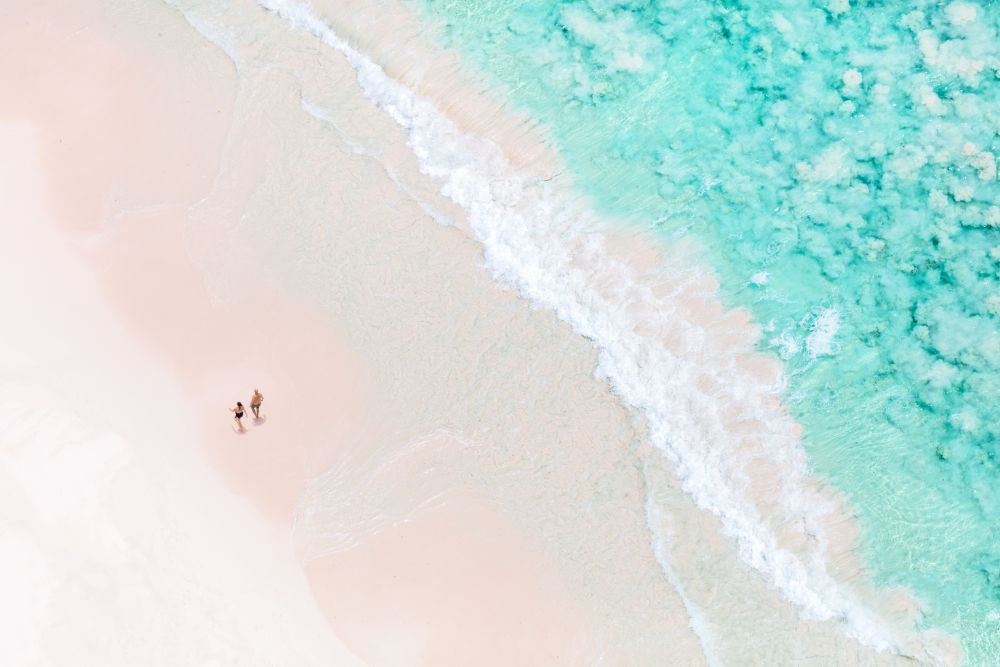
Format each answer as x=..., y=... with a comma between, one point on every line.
x=836, y=163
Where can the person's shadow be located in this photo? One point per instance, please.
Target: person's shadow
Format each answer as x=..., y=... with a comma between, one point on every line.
x=259, y=420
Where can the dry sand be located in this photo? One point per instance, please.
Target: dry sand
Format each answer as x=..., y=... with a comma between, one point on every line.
x=119, y=546
x=437, y=461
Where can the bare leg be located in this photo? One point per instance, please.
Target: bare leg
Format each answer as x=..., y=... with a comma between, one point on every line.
x=238, y=423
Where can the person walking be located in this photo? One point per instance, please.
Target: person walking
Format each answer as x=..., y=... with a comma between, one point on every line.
x=238, y=414
x=255, y=402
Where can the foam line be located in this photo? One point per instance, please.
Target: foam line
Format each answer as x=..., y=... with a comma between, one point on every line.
x=696, y=618
x=338, y=508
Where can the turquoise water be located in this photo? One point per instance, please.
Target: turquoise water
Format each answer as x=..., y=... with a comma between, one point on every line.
x=837, y=162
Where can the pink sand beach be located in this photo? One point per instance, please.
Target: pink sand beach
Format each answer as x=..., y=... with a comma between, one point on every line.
x=201, y=199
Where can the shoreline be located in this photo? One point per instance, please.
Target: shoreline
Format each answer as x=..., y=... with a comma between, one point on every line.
x=305, y=254
x=770, y=454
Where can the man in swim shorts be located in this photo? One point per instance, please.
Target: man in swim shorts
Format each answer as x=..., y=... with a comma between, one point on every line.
x=255, y=402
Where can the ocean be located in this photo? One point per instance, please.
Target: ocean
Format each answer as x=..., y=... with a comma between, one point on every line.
x=835, y=163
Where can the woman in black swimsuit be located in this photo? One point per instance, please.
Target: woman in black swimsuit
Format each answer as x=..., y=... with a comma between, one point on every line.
x=238, y=414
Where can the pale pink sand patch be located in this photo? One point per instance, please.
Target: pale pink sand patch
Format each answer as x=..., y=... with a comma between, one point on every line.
x=313, y=391
x=120, y=547
x=456, y=585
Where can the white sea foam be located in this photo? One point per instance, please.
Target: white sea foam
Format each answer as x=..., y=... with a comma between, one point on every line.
x=535, y=242
x=696, y=617
x=209, y=22
x=786, y=344
x=823, y=328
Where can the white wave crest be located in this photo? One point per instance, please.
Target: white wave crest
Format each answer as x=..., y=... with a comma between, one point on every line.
x=823, y=327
